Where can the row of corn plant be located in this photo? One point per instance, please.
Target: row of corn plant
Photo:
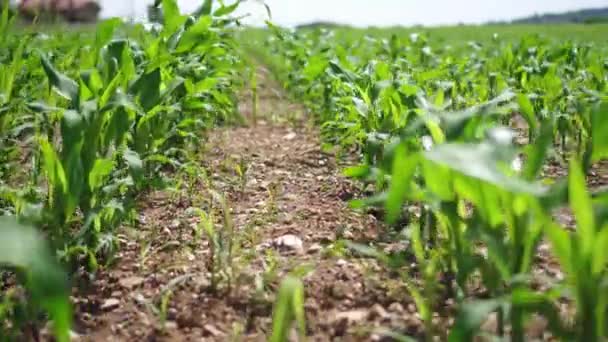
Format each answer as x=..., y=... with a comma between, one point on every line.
x=88, y=119
x=437, y=130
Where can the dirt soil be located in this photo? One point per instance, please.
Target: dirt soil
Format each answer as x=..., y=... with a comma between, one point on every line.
x=285, y=211
x=278, y=205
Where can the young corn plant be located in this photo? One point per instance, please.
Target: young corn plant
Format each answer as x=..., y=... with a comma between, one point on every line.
x=583, y=258
x=289, y=310
x=223, y=245
x=24, y=251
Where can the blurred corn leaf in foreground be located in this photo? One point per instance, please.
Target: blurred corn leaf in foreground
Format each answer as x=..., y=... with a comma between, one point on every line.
x=22, y=248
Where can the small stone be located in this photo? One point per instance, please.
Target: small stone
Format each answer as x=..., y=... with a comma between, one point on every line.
x=174, y=224
x=110, y=304
x=348, y=235
x=138, y=298
x=290, y=136
x=287, y=218
x=378, y=311
x=395, y=307
x=131, y=282
x=341, y=291
x=201, y=283
x=290, y=242
x=170, y=325
x=172, y=313
x=212, y=330
x=314, y=248
x=341, y=262
x=190, y=256
x=351, y=317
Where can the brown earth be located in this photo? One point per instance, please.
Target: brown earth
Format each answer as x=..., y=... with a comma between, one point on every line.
x=278, y=205
x=285, y=211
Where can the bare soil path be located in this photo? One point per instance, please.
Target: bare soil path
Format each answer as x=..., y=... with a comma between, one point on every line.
x=277, y=204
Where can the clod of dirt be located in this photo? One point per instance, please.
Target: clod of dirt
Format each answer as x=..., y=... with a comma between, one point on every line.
x=378, y=311
x=314, y=248
x=110, y=304
x=349, y=317
x=212, y=330
x=396, y=307
x=170, y=325
x=131, y=282
x=290, y=136
x=289, y=242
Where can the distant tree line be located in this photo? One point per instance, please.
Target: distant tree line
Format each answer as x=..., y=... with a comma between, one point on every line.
x=586, y=16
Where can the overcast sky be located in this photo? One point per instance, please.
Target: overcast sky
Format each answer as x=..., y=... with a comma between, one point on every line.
x=378, y=12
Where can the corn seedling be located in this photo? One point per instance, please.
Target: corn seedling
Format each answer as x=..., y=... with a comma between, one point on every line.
x=289, y=310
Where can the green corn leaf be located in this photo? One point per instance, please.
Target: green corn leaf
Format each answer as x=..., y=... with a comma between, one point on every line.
x=527, y=111
x=7, y=84
x=101, y=169
x=118, y=125
x=580, y=202
x=288, y=309
x=537, y=152
x=64, y=85
x=172, y=17
x=482, y=161
x=542, y=303
x=226, y=10
x=110, y=90
x=41, y=107
x=112, y=56
x=438, y=180
x=4, y=17
x=600, y=253
x=195, y=34
x=127, y=67
x=105, y=32
x=92, y=80
x=205, y=8
x=470, y=317
x=599, y=128
x=23, y=247
x=404, y=167
x=75, y=174
x=52, y=166
x=147, y=89
x=84, y=93
x=562, y=246
x=136, y=165
x=315, y=66
x=359, y=171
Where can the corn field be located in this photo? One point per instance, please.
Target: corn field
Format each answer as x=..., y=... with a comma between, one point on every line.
x=485, y=158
